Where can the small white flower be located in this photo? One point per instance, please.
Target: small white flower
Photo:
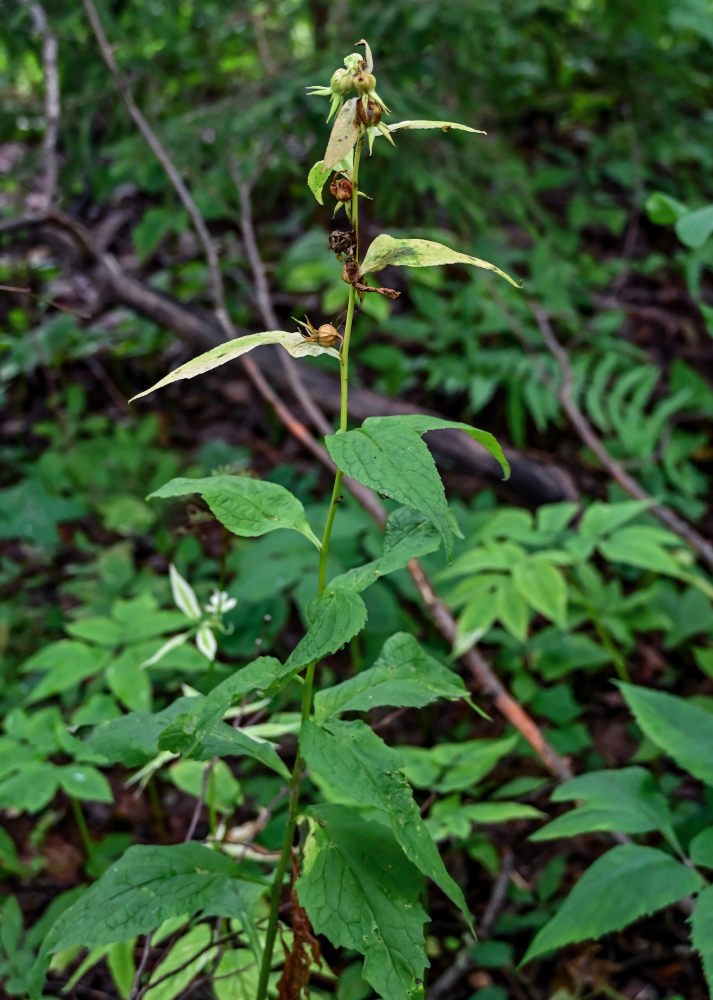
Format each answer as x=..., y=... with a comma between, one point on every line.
x=220, y=603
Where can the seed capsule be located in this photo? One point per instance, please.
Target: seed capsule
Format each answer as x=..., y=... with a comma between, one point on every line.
x=341, y=188
x=327, y=335
x=371, y=115
x=364, y=82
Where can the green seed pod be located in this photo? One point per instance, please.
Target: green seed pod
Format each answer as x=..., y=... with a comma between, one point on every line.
x=365, y=82
x=353, y=62
x=341, y=82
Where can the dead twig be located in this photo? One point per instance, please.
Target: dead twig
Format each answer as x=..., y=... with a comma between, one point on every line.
x=50, y=165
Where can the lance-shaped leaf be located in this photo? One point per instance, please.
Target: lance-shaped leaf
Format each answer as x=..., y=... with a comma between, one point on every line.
x=388, y=455
x=385, y=251
x=626, y=800
x=626, y=883
x=293, y=342
x=408, y=535
x=362, y=893
x=404, y=675
x=443, y=126
x=247, y=507
x=360, y=768
x=344, y=134
x=221, y=741
x=334, y=618
x=148, y=885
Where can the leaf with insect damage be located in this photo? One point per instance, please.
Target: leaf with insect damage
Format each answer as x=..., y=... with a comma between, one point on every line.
x=345, y=132
x=385, y=251
x=293, y=342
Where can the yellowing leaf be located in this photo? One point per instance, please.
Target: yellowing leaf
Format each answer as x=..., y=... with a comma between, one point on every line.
x=385, y=251
x=293, y=342
x=443, y=126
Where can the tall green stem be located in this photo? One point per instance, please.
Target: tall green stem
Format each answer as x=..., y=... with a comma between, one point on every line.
x=308, y=686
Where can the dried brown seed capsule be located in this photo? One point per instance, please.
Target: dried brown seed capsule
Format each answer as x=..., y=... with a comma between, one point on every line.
x=341, y=241
x=369, y=115
x=327, y=335
x=350, y=272
x=341, y=188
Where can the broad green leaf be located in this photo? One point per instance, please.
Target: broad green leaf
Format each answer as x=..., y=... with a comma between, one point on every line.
x=317, y=178
x=700, y=850
x=512, y=609
x=357, y=765
x=404, y=675
x=701, y=921
x=451, y=767
x=222, y=741
x=130, y=684
x=443, y=126
x=543, y=587
x=67, y=663
x=694, y=228
x=457, y=821
x=602, y=518
x=133, y=739
x=247, y=507
x=30, y=788
x=386, y=251
x=184, y=596
x=343, y=135
x=255, y=678
x=624, y=884
x=642, y=546
x=626, y=800
x=388, y=455
x=408, y=535
x=680, y=728
x=662, y=209
x=81, y=781
x=294, y=343
x=334, y=618
x=146, y=886
x=376, y=910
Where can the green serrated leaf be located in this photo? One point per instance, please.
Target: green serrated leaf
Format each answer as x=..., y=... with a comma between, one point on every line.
x=247, y=507
x=700, y=850
x=701, y=921
x=624, y=884
x=376, y=911
x=146, y=886
x=344, y=134
x=408, y=535
x=317, y=178
x=191, y=728
x=680, y=728
x=386, y=251
x=357, y=765
x=388, y=455
x=334, y=618
x=642, y=546
x=626, y=800
x=404, y=675
x=294, y=343
x=133, y=738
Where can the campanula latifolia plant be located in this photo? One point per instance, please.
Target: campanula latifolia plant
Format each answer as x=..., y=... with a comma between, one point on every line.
x=354, y=849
